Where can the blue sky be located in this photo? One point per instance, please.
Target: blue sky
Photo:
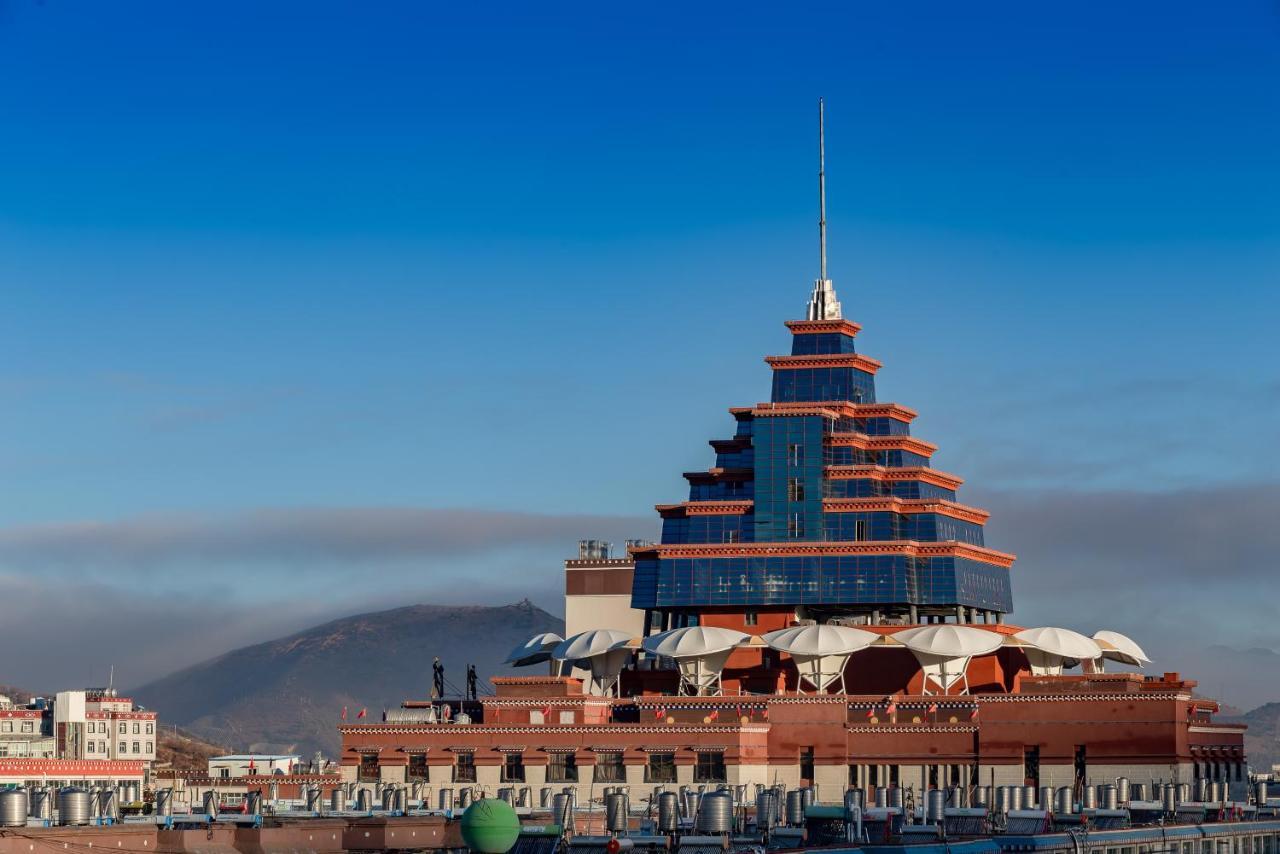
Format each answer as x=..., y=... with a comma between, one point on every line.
x=268, y=271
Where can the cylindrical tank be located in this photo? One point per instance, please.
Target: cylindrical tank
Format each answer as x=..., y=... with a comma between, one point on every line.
x=1169, y=797
x=954, y=793
x=465, y=797
x=1003, y=800
x=615, y=812
x=313, y=799
x=1062, y=804
x=210, y=803
x=74, y=807
x=795, y=807
x=1015, y=797
x=1029, y=797
x=855, y=798
x=669, y=812
x=895, y=797
x=692, y=800
x=935, y=803
x=399, y=799
x=164, y=802
x=1109, y=797
x=982, y=797
x=1203, y=793
x=1045, y=799
x=41, y=803
x=1184, y=793
x=1124, y=790
x=715, y=813
x=254, y=803
x=766, y=810
x=337, y=800
x=13, y=808
x=1137, y=792
x=562, y=810
x=1260, y=793
x=364, y=800
x=507, y=795
x=544, y=797
x=273, y=792
x=388, y=798
x=809, y=794
x=1089, y=799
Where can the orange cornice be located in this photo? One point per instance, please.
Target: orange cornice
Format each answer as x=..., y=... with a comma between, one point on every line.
x=831, y=409
x=818, y=327
x=881, y=443
x=907, y=506
x=707, y=508
x=927, y=475
x=825, y=360
x=812, y=549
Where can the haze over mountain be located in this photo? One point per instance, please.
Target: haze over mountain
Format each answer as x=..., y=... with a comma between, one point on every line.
x=286, y=695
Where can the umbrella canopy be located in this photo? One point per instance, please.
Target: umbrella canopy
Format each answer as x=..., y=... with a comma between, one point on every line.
x=590, y=643
x=820, y=640
x=1118, y=647
x=693, y=641
x=1063, y=643
x=536, y=649
x=949, y=641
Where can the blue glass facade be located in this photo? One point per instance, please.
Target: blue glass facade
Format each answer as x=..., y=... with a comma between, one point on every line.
x=778, y=467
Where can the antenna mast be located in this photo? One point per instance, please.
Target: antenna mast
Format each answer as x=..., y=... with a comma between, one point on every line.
x=822, y=196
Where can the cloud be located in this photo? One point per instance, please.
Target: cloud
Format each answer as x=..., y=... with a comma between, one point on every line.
x=331, y=535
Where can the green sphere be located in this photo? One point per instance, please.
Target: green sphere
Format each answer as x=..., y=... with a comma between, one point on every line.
x=490, y=826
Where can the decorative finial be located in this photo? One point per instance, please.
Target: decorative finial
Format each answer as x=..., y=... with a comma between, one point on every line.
x=823, y=304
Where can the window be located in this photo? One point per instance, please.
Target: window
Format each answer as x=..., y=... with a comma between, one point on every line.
x=224, y=773
x=750, y=618
x=563, y=768
x=7, y=726
x=661, y=768
x=464, y=770
x=795, y=525
x=806, y=763
x=731, y=536
x=91, y=747
x=368, y=771
x=709, y=767
x=795, y=489
x=418, y=768
x=137, y=748
x=151, y=747
x=795, y=455
x=27, y=726
x=123, y=748
x=860, y=529
x=566, y=718
x=150, y=729
x=136, y=729
x=609, y=768
x=123, y=728
x=513, y=768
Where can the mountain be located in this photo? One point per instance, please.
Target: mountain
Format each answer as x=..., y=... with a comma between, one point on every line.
x=286, y=695
x=1262, y=741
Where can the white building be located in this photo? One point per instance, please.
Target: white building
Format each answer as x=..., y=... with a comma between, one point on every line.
x=244, y=764
x=103, y=725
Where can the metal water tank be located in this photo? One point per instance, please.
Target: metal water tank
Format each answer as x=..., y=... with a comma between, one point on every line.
x=882, y=797
x=74, y=807
x=1015, y=797
x=1260, y=793
x=809, y=795
x=895, y=797
x=1137, y=792
x=544, y=798
x=1169, y=798
x=669, y=812
x=210, y=803
x=692, y=800
x=364, y=800
x=313, y=798
x=465, y=797
x=766, y=810
x=507, y=794
x=164, y=802
x=1124, y=790
x=41, y=802
x=562, y=810
x=254, y=804
x=715, y=813
x=1002, y=800
x=954, y=795
x=1089, y=798
x=1045, y=801
x=1063, y=805
x=982, y=797
x=1029, y=794
x=399, y=800
x=1184, y=793
x=615, y=812
x=795, y=807
x=337, y=800
x=1203, y=790
x=107, y=803
x=13, y=808
x=935, y=803
x=1109, y=797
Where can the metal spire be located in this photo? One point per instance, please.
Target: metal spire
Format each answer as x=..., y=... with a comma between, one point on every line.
x=823, y=304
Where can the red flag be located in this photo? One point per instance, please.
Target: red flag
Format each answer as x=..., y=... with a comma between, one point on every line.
x=715, y=715
x=871, y=712
x=659, y=714
x=765, y=713
x=933, y=708
x=546, y=713
x=739, y=708
x=344, y=713
x=973, y=716
x=362, y=713
x=892, y=708
x=446, y=711
x=251, y=766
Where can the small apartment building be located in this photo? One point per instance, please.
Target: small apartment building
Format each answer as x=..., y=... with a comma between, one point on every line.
x=24, y=732
x=246, y=764
x=102, y=725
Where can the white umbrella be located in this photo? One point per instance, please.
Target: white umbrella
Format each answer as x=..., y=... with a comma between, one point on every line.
x=700, y=652
x=820, y=651
x=1122, y=648
x=693, y=641
x=604, y=651
x=1049, y=649
x=536, y=649
x=944, y=651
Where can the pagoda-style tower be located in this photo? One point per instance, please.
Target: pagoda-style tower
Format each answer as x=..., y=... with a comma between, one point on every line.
x=822, y=505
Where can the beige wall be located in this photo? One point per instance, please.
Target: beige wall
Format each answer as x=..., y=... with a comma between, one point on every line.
x=582, y=613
